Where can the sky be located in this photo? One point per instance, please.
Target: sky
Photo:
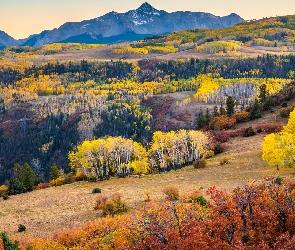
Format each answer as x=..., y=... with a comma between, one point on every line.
x=21, y=18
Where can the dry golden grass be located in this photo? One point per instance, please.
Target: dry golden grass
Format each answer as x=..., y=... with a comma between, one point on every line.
x=104, y=53
x=71, y=206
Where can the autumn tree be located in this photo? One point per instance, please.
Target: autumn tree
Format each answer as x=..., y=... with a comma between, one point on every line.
x=278, y=148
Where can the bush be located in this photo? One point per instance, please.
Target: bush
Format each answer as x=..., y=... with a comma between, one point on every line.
x=148, y=196
x=172, y=193
x=218, y=148
x=284, y=104
x=200, y=163
x=92, y=178
x=110, y=205
x=58, y=182
x=3, y=190
x=249, y=132
x=69, y=178
x=5, y=197
x=43, y=186
x=201, y=200
x=269, y=128
x=224, y=161
x=96, y=191
x=241, y=116
x=80, y=177
x=8, y=244
x=15, y=187
x=278, y=180
x=285, y=112
x=222, y=136
x=21, y=228
x=190, y=197
x=222, y=122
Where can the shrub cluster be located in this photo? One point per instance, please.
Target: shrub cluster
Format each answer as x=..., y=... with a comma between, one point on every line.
x=259, y=215
x=96, y=191
x=285, y=111
x=222, y=122
x=110, y=205
x=224, y=161
x=200, y=163
x=241, y=116
x=172, y=193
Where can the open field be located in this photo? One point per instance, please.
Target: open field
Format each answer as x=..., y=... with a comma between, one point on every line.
x=71, y=205
x=104, y=53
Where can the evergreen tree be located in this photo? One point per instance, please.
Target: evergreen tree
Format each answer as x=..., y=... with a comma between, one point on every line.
x=262, y=93
x=230, y=106
x=8, y=244
x=201, y=120
x=215, y=111
x=25, y=175
x=256, y=111
x=15, y=186
x=54, y=172
x=222, y=111
x=269, y=102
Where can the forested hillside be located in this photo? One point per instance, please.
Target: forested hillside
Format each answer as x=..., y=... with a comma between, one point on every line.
x=137, y=119
x=47, y=109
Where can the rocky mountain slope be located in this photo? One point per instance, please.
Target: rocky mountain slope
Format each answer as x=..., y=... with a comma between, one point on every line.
x=142, y=22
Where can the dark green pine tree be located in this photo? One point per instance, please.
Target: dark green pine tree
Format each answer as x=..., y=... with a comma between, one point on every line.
x=262, y=93
x=256, y=110
x=201, y=120
x=230, y=106
x=8, y=244
x=15, y=186
x=54, y=172
x=26, y=176
x=222, y=111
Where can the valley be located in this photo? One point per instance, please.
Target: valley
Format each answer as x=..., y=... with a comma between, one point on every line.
x=180, y=139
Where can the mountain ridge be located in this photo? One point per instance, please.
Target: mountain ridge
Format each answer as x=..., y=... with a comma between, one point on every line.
x=144, y=20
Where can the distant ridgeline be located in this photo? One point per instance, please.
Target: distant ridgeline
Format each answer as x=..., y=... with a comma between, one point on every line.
x=48, y=109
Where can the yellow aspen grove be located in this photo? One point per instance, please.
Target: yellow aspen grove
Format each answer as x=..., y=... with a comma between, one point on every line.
x=99, y=158
x=175, y=149
x=278, y=148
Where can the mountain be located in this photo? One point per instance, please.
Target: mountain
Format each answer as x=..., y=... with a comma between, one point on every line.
x=144, y=20
x=6, y=40
x=89, y=38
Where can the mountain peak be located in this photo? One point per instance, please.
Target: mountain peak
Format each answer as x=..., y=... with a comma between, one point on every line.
x=146, y=7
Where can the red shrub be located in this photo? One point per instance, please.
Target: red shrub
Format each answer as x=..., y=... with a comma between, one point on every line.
x=43, y=186
x=222, y=136
x=269, y=128
x=238, y=132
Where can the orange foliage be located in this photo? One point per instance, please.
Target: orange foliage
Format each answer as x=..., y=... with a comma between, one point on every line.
x=259, y=216
x=110, y=205
x=241, y=116
x=1, y=245
x=222, y=122
x=172, y=193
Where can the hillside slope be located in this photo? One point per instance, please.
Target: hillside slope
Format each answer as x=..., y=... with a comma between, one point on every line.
x=71, y=205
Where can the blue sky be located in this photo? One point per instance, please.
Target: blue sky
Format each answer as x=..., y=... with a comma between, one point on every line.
x=21, y=18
